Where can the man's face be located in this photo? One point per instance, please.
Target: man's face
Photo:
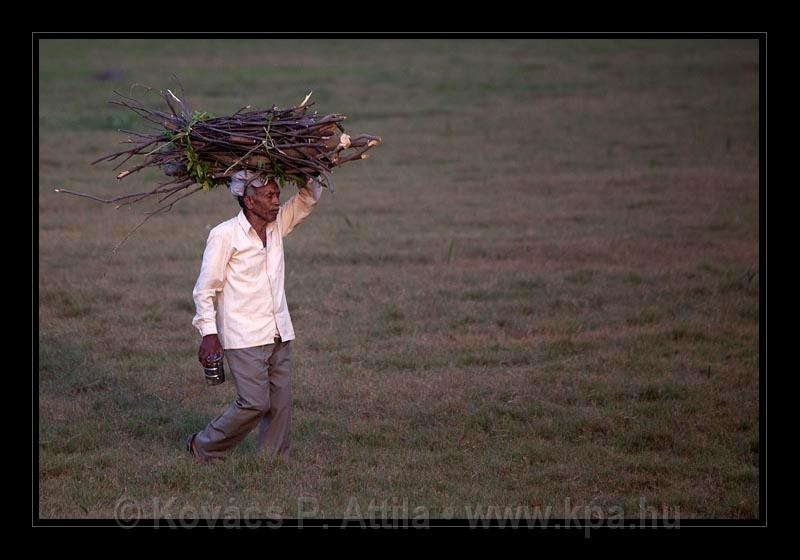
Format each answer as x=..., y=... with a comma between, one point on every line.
x=264, y=201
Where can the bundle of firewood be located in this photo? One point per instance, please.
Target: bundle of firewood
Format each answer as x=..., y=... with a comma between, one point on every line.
x=203, y=151
x=290, y=145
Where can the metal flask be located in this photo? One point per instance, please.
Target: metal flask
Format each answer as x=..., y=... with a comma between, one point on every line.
x=214, y=371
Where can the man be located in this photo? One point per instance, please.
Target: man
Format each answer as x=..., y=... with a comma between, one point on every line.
x=243, y=274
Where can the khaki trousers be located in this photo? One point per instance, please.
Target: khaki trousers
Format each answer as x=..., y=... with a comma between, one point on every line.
x=263, y=378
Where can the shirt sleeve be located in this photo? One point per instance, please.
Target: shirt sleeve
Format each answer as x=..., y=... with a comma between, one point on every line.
x=295, y=210
x=210, y=281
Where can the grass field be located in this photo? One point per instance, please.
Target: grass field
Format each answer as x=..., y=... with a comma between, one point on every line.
x=541, y=290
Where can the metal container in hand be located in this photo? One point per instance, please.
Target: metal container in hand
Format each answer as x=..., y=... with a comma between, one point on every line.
x=214, y=371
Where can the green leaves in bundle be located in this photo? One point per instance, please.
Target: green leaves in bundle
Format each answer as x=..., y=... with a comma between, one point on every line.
x=282, y=177
x=197, y=116
x=199, y=171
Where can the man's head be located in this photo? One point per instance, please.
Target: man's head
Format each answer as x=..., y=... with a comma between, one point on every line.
x=256, y=196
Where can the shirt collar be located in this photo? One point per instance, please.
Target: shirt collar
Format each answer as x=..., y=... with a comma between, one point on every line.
x=247, y=226
x=242, y=219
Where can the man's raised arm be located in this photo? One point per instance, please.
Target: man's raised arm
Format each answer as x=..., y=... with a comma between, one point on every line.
x=299, y=206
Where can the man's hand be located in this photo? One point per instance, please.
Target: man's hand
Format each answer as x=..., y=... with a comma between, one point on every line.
x=208, y=348
x=314, y=187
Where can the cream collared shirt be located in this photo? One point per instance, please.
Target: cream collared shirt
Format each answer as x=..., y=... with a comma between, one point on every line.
x=239, y=293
